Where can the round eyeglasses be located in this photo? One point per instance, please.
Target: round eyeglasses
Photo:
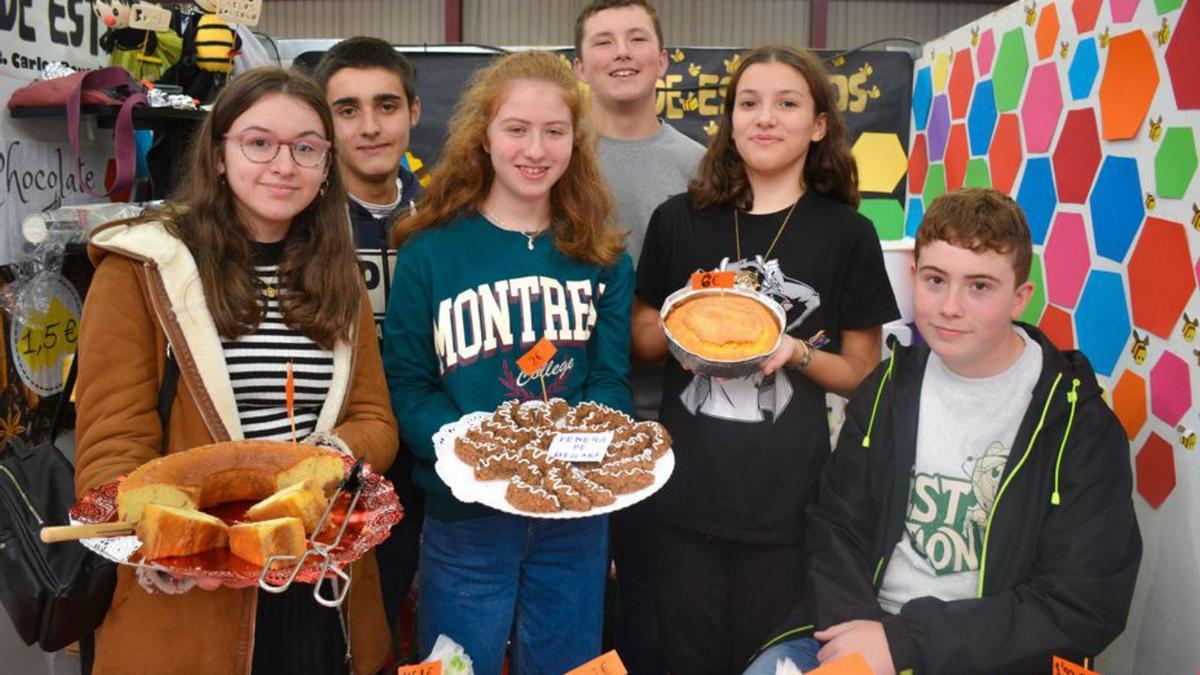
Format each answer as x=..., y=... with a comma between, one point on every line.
x=262, y=148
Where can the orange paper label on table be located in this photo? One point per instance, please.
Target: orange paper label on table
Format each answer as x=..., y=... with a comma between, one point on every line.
x=854, y=664
x=535, y=359
x=607, y=663
x=702, y=280
x=1062, y=666
x=431, y=668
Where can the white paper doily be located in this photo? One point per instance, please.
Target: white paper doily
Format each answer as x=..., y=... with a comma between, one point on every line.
x=460, y=477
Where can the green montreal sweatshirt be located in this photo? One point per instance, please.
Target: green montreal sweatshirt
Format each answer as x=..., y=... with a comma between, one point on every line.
x=467, y=300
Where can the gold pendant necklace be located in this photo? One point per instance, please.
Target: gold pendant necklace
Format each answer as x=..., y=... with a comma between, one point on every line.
x=750, y=277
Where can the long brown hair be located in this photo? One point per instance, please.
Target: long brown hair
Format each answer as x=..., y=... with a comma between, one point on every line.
x=580, y=204
x=829, y=168
x=318, y=272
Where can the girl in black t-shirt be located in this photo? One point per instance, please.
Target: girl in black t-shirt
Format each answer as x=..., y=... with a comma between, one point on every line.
x=774, y=200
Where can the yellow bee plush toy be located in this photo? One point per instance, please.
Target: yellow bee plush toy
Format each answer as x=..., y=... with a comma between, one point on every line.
x=209, y=45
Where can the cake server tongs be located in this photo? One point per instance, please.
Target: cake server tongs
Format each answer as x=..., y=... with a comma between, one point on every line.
x=339, y=580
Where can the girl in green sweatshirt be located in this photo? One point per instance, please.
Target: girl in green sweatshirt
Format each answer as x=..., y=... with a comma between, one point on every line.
x=511, y=244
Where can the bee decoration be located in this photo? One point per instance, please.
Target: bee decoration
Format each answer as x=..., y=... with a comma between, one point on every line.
x=866, y=70
x=693, y=69
x=209, y=47
x=732, y=64
x=1187, y=437
x=691, y=103
x=1063, y=49
x=1141, y=345
x=677, y=56
x=1104, y=38
x=1189, y=327
x=1162, y=35
x=1195, y=216
x=711, y=128
x=1031, y=14
x=874, y=92
x=1151, y=202
x=839, y=61
x=974, y=36
x=1156, y=128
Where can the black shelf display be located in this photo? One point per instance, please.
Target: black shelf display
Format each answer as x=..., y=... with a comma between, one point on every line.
x=173, y=130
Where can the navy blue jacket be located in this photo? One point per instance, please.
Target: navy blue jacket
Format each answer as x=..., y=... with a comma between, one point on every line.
x=371, y=232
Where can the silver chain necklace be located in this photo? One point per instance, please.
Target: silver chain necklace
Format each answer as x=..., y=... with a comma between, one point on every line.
x=528, y=235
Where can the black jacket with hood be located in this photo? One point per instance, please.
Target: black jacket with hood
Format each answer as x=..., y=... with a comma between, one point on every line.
x=1061, y=549
x=373, y=233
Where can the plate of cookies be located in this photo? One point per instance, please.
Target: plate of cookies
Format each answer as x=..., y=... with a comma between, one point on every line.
x=517, y=460
x=722, y=332
x=225, y=510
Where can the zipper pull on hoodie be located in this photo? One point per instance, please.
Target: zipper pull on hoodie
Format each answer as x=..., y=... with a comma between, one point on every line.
x=1073, y=399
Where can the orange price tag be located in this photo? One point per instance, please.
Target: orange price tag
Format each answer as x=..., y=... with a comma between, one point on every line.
x=289, y=392
x=537, y=357
x=1062, y=666
x=607, y=663
x=701, y=280
x=431, y=668
x=854, y=664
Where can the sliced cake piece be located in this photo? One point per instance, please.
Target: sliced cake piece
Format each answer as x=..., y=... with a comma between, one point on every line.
x=167, y=531
x=305, y=501
x=256, y=542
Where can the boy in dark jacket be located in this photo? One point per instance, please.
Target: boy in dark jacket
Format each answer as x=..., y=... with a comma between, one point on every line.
x=372, y=91
x=976, y=516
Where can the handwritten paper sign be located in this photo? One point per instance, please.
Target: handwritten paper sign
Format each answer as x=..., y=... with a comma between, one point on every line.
x=1062, y=666
x=431, y=668
x=146, y=16
x=245, y=12
x=702, y=280
x=607, y=663
x=536, y=358
x=580, y=447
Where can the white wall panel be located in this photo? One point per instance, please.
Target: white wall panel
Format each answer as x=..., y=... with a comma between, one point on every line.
x=855, y=22
x=685, y=22
x=397, y=21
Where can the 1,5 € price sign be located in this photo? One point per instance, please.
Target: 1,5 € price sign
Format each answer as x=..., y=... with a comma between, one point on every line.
x=44, y=334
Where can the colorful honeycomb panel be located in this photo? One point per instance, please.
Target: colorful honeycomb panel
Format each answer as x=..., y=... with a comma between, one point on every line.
x=1087, y=113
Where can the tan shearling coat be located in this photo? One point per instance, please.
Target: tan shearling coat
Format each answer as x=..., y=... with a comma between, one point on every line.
x=146, y=295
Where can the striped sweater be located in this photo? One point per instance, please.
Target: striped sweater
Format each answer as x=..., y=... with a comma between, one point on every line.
x=258, y=361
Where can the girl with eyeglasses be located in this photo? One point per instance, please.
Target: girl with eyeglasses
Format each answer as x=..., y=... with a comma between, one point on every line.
x=250, y=268
x=510, y=245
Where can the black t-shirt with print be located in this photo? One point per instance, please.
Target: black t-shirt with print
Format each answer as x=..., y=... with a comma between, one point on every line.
x=748, y=451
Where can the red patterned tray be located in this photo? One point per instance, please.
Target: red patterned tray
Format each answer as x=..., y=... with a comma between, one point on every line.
x=378, y=509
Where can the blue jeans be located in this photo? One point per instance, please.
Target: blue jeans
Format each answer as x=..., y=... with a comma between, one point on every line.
x=540, y=581
x=802, y=652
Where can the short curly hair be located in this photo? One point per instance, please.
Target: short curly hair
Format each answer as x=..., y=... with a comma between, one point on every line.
x=981, y=220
